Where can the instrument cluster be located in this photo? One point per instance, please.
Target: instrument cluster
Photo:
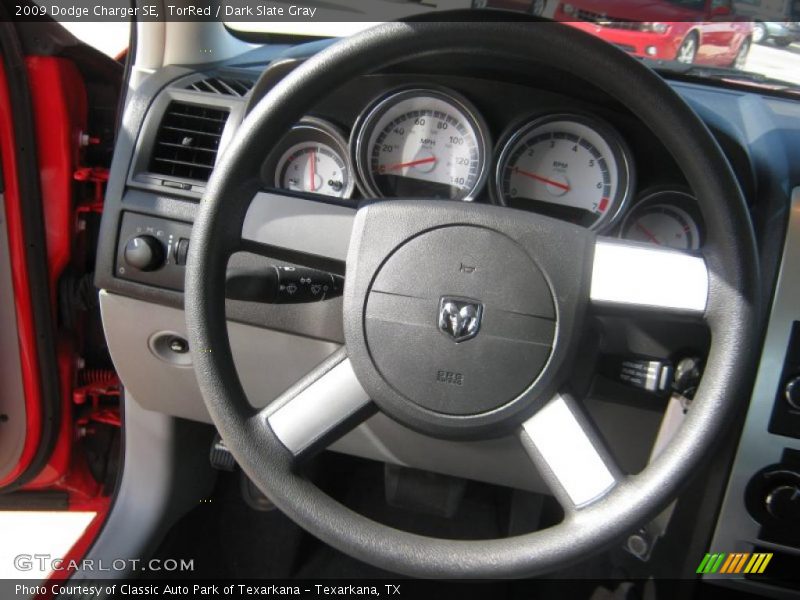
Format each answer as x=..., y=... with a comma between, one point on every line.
x=432, y=142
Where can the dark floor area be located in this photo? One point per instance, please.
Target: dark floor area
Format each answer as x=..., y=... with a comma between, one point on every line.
x=227, y=539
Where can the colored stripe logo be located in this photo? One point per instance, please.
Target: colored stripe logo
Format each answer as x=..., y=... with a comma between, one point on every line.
x=735, y=562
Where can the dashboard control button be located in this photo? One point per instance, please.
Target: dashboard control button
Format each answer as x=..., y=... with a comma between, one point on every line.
x=181, y=251
x=783, y=502
x=772, y=498
x=785, y=417
x=791, y=391
x=144, y=252
x=150, y=251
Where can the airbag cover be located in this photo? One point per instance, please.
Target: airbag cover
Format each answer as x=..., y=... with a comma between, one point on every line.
x=471, y=265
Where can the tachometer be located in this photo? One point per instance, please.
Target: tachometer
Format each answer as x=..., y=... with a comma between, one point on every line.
x=314, y=158
x=567, y=166
x=422, y=143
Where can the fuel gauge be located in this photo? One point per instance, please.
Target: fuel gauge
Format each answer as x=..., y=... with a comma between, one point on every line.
x=664, y=219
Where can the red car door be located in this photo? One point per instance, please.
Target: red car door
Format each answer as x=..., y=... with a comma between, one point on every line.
x=58, y=399
x=719, y=45
x=31, y=401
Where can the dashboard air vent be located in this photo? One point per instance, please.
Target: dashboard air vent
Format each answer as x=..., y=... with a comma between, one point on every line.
x=225, y=86
x=188, y=140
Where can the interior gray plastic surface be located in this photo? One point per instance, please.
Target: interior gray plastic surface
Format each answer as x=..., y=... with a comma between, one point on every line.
x=269, y=362
x=503, y=461
x=736, y=530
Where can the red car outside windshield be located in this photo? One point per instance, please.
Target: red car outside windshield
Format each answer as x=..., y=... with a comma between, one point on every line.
x=691, y=31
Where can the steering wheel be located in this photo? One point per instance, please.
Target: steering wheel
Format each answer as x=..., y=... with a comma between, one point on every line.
x=431, y=342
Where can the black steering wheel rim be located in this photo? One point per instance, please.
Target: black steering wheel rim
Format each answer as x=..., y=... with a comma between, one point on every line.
x=732, y=311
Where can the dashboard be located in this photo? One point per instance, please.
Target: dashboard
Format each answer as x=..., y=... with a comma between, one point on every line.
x=417, y=139
x=459, y=130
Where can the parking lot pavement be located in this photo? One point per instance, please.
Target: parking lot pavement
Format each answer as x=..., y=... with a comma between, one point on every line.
x=780, y=63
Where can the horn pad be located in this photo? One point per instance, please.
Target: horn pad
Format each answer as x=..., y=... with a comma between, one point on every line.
x=459, y=320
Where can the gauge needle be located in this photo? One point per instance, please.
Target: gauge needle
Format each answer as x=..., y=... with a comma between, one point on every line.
x=312, y=159
x=558, y=184
x=648, y=233
x=413, y=163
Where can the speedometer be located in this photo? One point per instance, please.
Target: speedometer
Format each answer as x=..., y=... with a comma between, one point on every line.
x=422, y=143
x=566, y=166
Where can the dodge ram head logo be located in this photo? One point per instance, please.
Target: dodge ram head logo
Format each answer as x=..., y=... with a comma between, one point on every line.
x=460, y=318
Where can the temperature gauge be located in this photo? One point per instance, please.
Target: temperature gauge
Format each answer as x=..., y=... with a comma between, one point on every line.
x=664, y=219
x=313, y=157
x=313, y=167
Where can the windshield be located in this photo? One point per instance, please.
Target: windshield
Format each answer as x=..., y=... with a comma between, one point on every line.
x=748, y=41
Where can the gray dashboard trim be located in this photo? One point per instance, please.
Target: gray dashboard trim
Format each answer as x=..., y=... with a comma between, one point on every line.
x=269, y=361
x=736, y=530
x=167, y=204
x=137, y=104
x=318, y=321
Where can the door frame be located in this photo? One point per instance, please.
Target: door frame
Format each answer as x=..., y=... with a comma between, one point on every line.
x=24, y=219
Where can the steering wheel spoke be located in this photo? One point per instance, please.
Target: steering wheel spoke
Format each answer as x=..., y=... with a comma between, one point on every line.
x=306, y=229
x=318, y=409
x=569, y=453
x=633, y=276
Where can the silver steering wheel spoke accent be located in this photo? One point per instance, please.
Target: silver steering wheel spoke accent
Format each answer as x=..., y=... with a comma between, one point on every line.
x=634, y=275
x=320, y=408
x=569, y=454
x=300, y=224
